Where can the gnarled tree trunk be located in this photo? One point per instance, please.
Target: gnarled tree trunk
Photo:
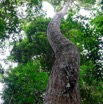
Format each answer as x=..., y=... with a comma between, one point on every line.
x=63, y=82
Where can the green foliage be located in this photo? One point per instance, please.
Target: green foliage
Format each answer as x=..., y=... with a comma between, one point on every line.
x=11, y=15
x=98, y=21
x=90, y=88
x=2, y=28
x=91, y=65
x=25, y=84
x=35, y=45
x=88, y=1
x=8, y=18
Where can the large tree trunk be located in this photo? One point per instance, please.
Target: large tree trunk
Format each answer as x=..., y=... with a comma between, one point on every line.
x=63, y=82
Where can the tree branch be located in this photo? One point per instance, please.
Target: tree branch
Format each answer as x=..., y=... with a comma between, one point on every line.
x=65, y=7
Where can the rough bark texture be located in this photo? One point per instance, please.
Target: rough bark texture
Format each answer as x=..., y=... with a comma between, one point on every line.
x=63, y=82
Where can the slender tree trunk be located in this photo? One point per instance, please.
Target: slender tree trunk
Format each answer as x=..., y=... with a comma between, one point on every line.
x=63, y=82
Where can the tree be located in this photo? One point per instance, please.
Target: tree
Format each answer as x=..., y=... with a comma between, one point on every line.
x=63, y=82
x=35, y=45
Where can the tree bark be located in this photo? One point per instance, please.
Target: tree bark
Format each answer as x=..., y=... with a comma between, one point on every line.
x=63, y=81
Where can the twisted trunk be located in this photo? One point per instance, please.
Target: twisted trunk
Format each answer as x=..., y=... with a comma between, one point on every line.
x=63, y=82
